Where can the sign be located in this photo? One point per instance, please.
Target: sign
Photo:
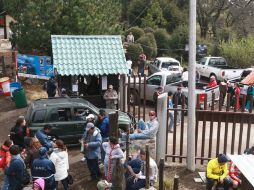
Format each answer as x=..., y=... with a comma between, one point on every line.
x=32, y=66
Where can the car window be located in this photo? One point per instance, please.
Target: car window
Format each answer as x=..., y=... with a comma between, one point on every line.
x=202, y=61
x=169, y=64
x=176, y=78
x=60, y=114
x=154, y=80
x=39, y=116
x=169, y=80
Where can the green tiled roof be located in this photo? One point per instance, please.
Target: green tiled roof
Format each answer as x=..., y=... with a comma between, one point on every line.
x=88, y=55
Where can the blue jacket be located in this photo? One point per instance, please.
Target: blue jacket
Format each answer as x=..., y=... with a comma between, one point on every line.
x=135, y=164
x=104, y=127
x=14, y=173
x=44, y=168
x=44, y=139
x=94, y=144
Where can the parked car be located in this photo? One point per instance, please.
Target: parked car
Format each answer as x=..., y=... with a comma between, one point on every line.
x=168, y=81
x=164, y=64
x=67, y=116
x=217, y=67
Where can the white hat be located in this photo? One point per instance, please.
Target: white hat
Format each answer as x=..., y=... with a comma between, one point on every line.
x=110, y=86
x=90, y=116
x=89, y=126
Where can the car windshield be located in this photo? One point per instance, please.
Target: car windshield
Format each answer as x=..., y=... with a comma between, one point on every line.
x=168, y=64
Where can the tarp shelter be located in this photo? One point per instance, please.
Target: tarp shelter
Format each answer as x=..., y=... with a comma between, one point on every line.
x=92, y=62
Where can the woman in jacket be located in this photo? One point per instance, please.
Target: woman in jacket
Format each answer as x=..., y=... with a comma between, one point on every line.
x=18, y=133
x=5, y=161
x=113, y=151
x=32, y=152
x=59, y=157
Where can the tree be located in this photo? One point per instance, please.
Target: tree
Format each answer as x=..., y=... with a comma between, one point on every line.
x=162, y=41
x=37, y=20
x=154, y=17
x=208, y=12
x=148, y=44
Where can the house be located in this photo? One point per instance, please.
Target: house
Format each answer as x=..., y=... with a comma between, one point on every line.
x=88, y=64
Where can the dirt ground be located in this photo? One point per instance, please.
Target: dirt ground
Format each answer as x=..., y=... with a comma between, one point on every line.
x=9, y=114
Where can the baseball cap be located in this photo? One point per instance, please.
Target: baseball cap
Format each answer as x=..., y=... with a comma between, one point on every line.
x=222, y=158
x=90, y=116
x=89, y=126
x=110, y=86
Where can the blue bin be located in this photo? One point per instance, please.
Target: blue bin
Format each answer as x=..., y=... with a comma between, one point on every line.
x=15, y=86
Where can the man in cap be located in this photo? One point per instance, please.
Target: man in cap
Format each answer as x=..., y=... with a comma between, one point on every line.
x=44, y=168
x=217, y=173
x=111, y=97
x=92, y=150
x=146, y=130
x=212, y=82
x=16, y=169
x=42, y=136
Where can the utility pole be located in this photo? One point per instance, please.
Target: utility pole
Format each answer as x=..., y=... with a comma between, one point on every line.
x=191, y=87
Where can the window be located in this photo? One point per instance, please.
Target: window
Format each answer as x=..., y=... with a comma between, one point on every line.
x=154, y=80
x=169, y=64
x=169, y=80
x=202, y=61
x=80, y=114
x=39, y=116
x=60, y=114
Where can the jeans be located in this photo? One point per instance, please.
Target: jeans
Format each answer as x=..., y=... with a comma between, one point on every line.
x=171, y=123
x=142, y=125
x=130, y=185
x=141, y=71
x=64, y=182
x=93, y=166
x=211, y=182
x=5, y=183
x=179, y=115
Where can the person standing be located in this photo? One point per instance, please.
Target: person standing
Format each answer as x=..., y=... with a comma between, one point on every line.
x=15, y=169
x=178, y=97
x=59, y=157
x=5, y=161
x=130, y=38
x=32, y=152
x=113, y=151
x=18, y=132
x=237, y=92
x=111, y=98
x=170, y=113
x=42, y=136
x=142, y=63
x=223, y=90
x=250, y=93
x=92, y=148
x=129, y=65
x=51, y=87
x=45, y=169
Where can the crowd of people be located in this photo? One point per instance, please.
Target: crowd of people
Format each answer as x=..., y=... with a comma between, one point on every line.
x=43, y=162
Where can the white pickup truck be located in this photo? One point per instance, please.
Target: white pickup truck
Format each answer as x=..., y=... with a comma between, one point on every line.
x=169, y=81
x=217, y=67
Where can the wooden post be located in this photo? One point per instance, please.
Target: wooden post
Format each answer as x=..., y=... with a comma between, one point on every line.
x=113, y=124
x=161, y=174
x=147, y=167
x=176, y=182
x=118, y=177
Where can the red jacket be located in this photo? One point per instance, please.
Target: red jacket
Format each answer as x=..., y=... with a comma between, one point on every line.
x=6, y=156
x=212, y=84
x=234, y=172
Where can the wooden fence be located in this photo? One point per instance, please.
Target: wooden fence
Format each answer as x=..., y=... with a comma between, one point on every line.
x=219, y=129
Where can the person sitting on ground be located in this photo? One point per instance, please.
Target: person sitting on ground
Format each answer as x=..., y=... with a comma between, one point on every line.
x=234, y=174
x=135, y=172
x=144, y=130
x=217, y=172
x=44, y=168
x=212, y=82
x=113, y=151
x=42, y=136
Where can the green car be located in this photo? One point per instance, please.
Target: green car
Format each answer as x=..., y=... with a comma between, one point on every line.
x=67, y=117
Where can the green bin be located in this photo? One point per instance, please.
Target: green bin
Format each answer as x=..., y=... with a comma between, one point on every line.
x=20, y=98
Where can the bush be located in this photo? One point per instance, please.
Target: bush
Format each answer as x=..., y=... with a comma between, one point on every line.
x=136, y=31
x=162, y=40
x=133, y=52
x=239, y=52
x=148, y=44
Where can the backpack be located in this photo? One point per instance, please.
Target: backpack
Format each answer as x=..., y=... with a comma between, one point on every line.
x=2, y=158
